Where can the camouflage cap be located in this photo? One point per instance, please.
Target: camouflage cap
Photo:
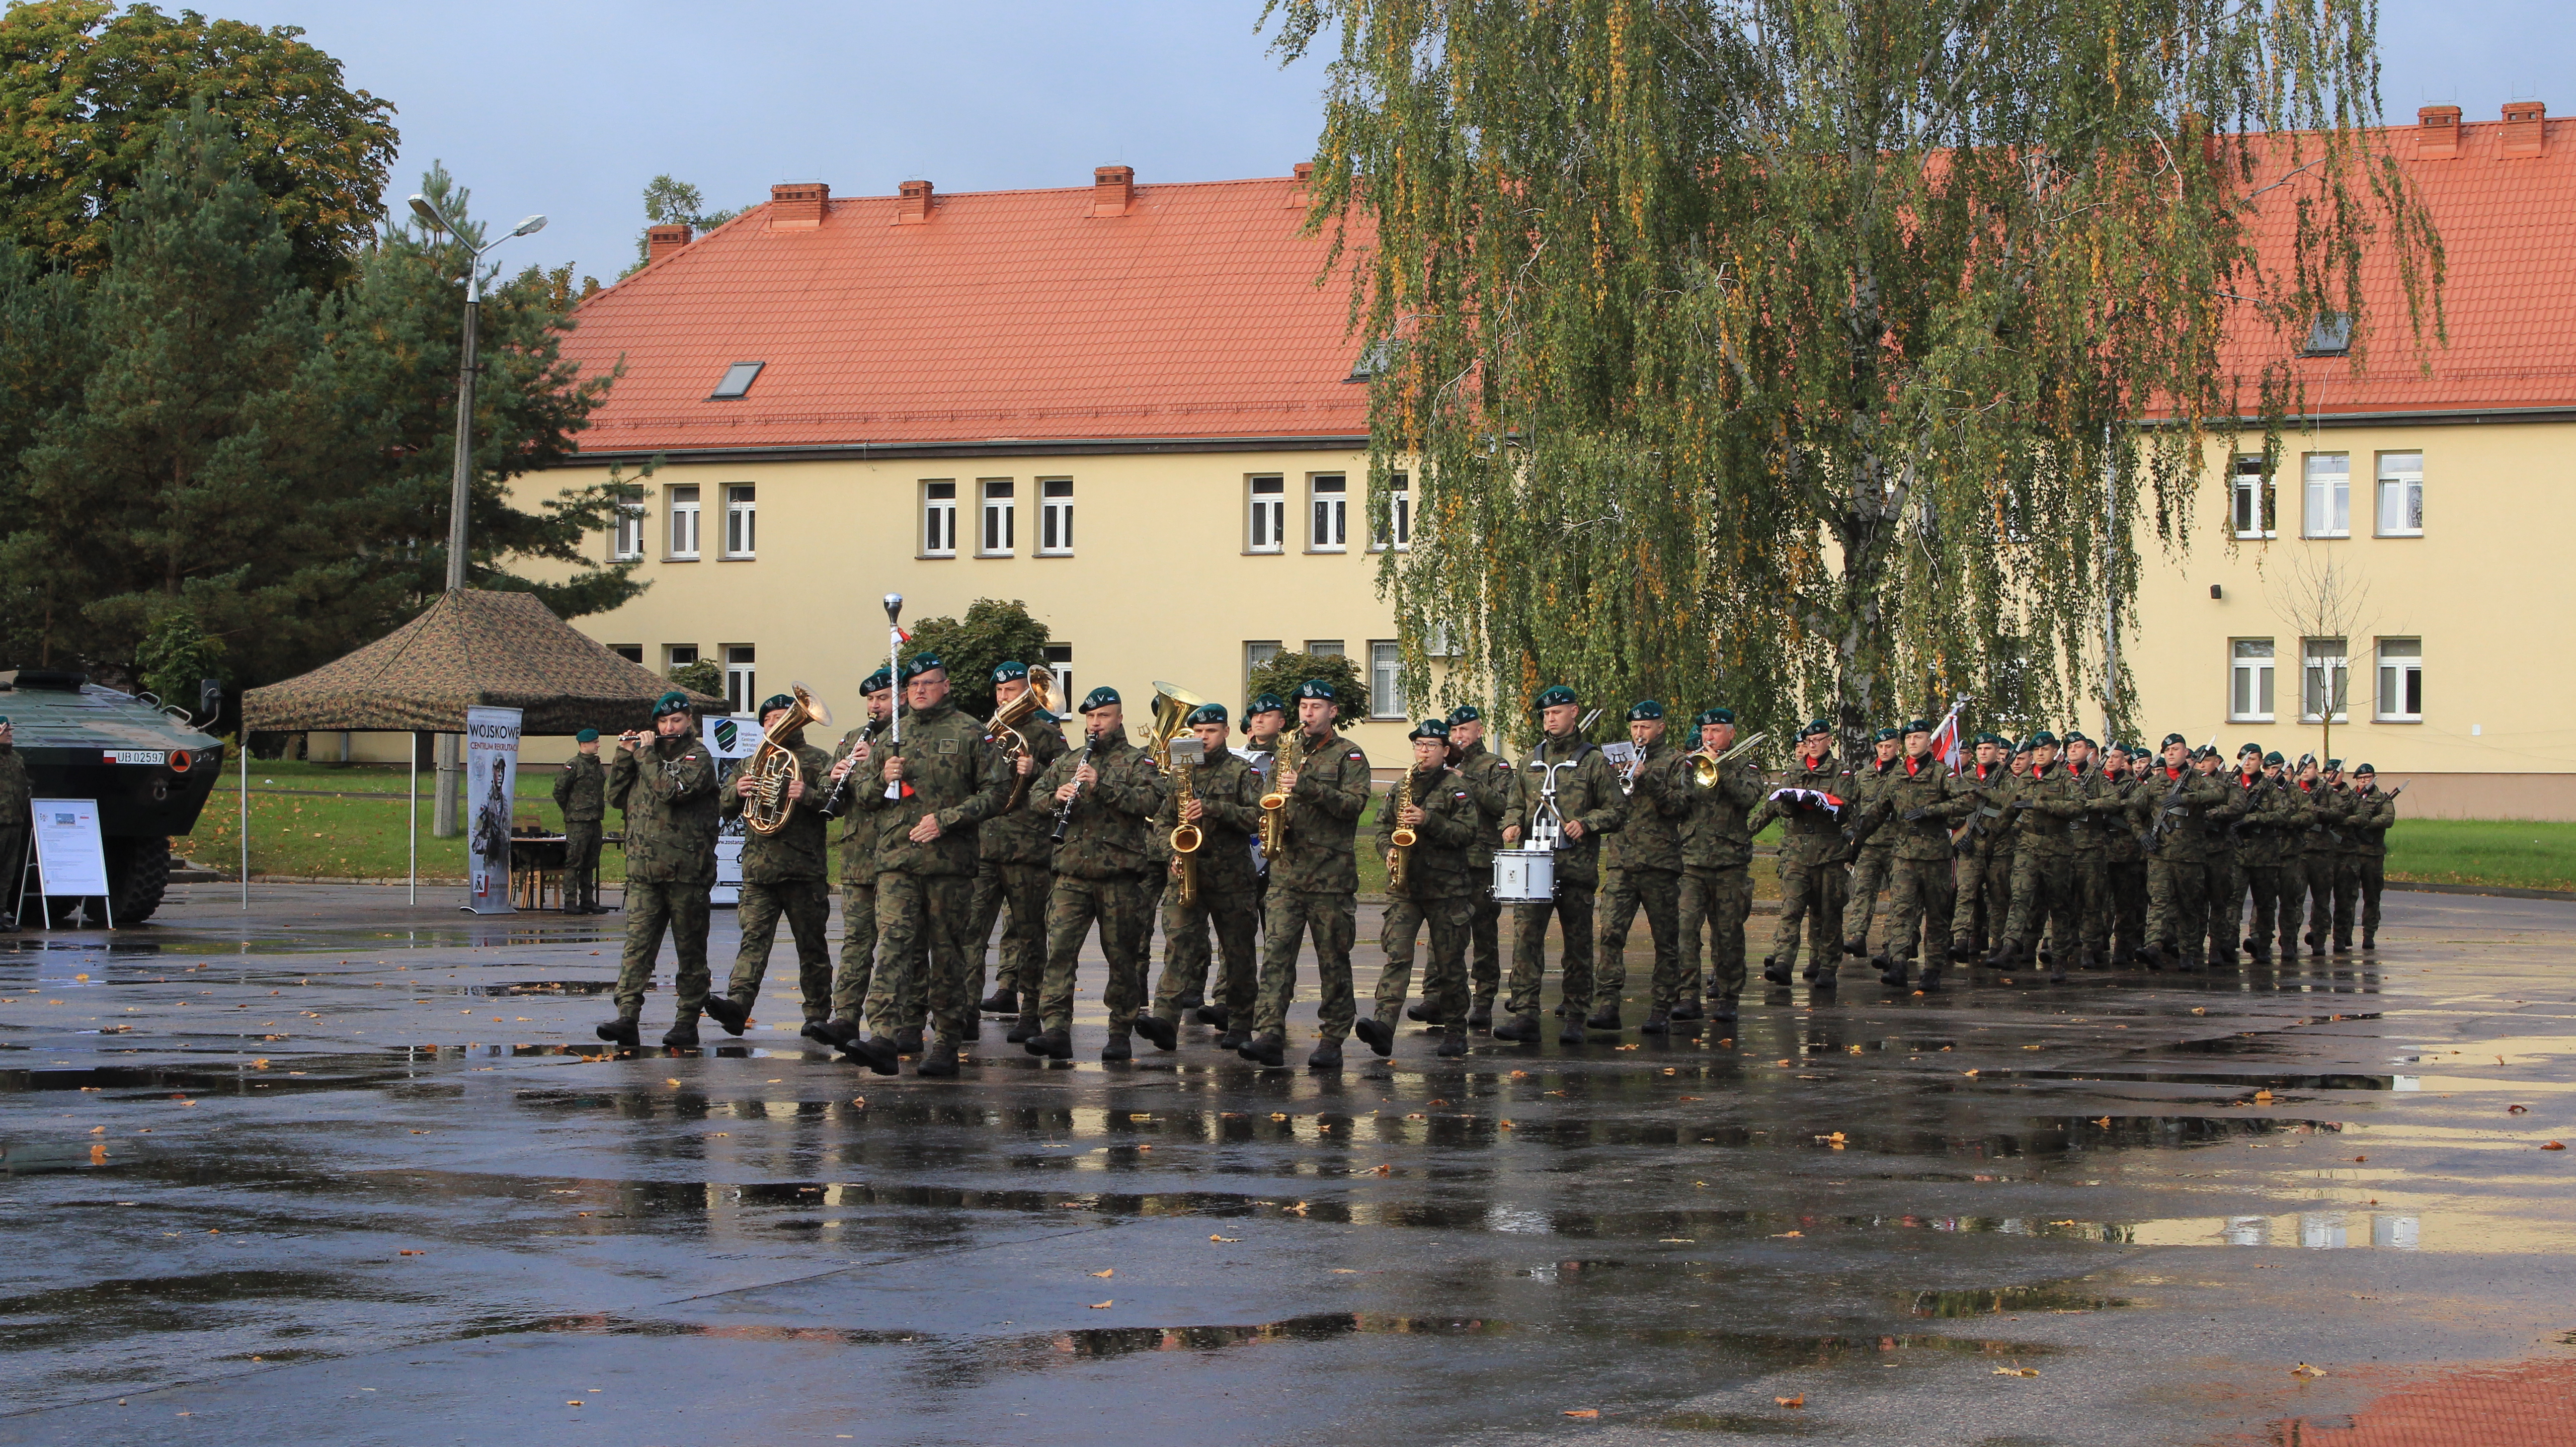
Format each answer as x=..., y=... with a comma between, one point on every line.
x=1315, y=688
x=877, y=682
x=1645, y=709
x=1465, y=713
x=1815, y=727
x=1207, y=713
x=776, y=701
x=921, y=663
x=1555, y=695
x=586, y=736
x=1709, y=716
x=671, y=703
x=1009, y=669
x=1102, y=697
x=1430, y=728
x=1918, y=726
x=1887, y=735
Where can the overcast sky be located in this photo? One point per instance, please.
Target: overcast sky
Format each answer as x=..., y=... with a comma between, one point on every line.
x=569, y=106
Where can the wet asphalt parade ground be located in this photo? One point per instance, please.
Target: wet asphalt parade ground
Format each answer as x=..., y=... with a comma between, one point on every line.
x=340, y=1170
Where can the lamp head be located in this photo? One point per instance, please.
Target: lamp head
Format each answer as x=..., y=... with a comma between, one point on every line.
x=531, y=226
x=428, y=213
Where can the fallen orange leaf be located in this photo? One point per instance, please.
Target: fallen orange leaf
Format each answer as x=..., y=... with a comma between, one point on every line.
x=1102, y=1305
x=2554, y=1146
x=1227, y=1239
x=1583, y=1411
x=1112, y=1271
x=1792, y=1403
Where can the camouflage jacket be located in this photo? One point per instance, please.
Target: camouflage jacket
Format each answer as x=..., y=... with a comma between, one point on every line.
x=949, y=771
x=1714, y=835
x=1025, y=832
x=2258, y=824
x=1104, y=835
x=1910, y=812
x=1870, y=782
x=581, y=790
x=1436, y=866
x=1814, y=835
x=797, y=850
x=2186, y=832
x=2119, y=830
x=1650, y=832
x=1493, y=786
x=2088, y=834
x=2325, y=815
x=668, y=789
x=2047, y=803
x=858, y=836
x=1229, y=795
x=2347, y=827
x=1587, y=792
x=2372, y=814
x=1977, y=801
x=16, y=812
x=1323, y=819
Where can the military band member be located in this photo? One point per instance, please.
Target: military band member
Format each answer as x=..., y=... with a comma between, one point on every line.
x=1877, y=848
x=1649, y=873
x=1911, y=814
x=1314, y=885
x=1979, y=793
x=581, y=792
x=1717, y=874
x=782, y=874
x=1015, y=869
x=17, y=821
x=2373, y=814
x=1265, y=718
x=1812, y=852
x=2043, y=888
x=856, y=975
x=1588, y=803
x=2172, y=805
x=1493, y=786
x=1107, y=795
x=665, y=782
x=1225, y=805
x=1431, y=888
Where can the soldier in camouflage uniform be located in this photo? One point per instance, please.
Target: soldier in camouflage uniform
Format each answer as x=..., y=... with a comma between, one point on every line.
x=1588, y=805
x=782, y=874
x=1264, y=720
x=2226, y=874
x=666, y=784
x=1813, y=851
x=17, y=821
x=1717, y=874
x=2043, y=889
x=1911, y=812
x=2373, y=814
x=1978, y=794
x=1649, y=873
x=1107, y=794
x=1434, y=890
x=2348, y=847
x=1016, y=868
x=1314, y=886
x=2088, y=838
x=857, y=972
x=938, y=781
x=2321, y=853
x=1877, y=854
x=1225, y=804
x=1494, y=787
x=2268, y=813
x=2124, y=865
x=2173, y=804
x=581, y=792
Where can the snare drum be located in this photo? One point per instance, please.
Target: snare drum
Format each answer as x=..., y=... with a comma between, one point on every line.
x=1524, y=876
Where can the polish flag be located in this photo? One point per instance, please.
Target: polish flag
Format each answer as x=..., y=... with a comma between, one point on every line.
x=1945, y=739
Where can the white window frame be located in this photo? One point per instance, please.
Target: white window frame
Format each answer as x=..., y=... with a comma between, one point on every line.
x=1256, y=652
x=678, y=655
x=997, y=517
x=2400, y=509
x=2253, y=499
x=684, y=536
x=2325, y=680
x=1055, y=517
x=1265, y=518
x=1398, y=531
x=742, y=520
x=1059, y=661
x=2326, y=495
x=2251, y=680
x=1325, y=648
x=1386, y=679
x=742, y=677
x=2401, y=682
x=626, y=533
x=939, y=517
x=1328, y=512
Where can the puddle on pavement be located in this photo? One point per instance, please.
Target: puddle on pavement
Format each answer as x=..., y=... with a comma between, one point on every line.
x=2053, y=1296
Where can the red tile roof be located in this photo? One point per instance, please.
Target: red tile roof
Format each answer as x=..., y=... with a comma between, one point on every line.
x=1008, y=314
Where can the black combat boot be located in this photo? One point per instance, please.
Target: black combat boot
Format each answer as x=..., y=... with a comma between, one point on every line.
x=1003, y=1001
x=1268, y=1049
x=2343, y=947
x=1687, y=1008
x=1812, y=970
x=1234, y=1040
x=1327, y=1056
x=1658, y=1021
x=1422, y=1012
x=907, y=1040
x=1050, y=1045
x=1929, y=982
x=621, y=1032
x=1821, y=981
x=1163, y=1033
x=1116, y=1047
x=1453, y=1043
x=1721, y=1009
x=835, y=1033
x=1892, y=972
x=683, y=1034
x=1024, y=1028
x=2003, y=954
x=733, y=1017
x=1605, y=1018
x=1520, y=1030
x=1217, y=1015
x=2370, y=942
x=876, y=1054
x=1378, y=1035
x=1857, y=949
x=1482, y=1016
x=1572, y=1034
x=973, y=1026
x=1774, y=971
x=940, y=1059
x=2151, y=956
x=2262, y=957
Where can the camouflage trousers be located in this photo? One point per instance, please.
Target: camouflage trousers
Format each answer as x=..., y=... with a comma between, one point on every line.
x=1023, y=889
x=1977, y=916
x=2321, y=868
x=581, y=864
x=1122, y=909
x=13, y=866
x=2093, y=903
x=1331, y=917
x=1811, y=895
x=2127, y=887
x=1869, y=875
x=2043, y=898
x=2226, y=906
x=2263, y=883
x=1485, y=956
x=1235, y=916
x=857, y=973
x=1572, y=906
x=2347, y=895
x=1918, y=909
x=2293, y=903
x=2177, y=905
x=807, y=904
x=1659, y=892
x=922, y=956
x=1444, y=980
x=1715, y=903
x=653, y=907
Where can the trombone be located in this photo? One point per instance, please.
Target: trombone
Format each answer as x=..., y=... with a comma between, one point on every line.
x=1704, y=765
x=1003, y=731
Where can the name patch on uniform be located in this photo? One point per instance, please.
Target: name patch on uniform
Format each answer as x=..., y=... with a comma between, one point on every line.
x=948, y=746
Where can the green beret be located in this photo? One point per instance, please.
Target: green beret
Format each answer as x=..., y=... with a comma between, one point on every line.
x=2306, y=759
x=1265, y=703
x=670, y=703
x=2170, y=741
x=586, y=736
x=1887, y=735
x=4, y=718
x=2250, y=748
x=1990, y=737
x=2274, y=759
x=877, y=682
x=2123, y=750
x=1708, y=716
x=1430, y=728
x=1555, y=695
x=1102, y=697
x=1465, y=713
x=2362, y=769
x=1918, y=726
x=1207, y=713
x=2025, y=746
x=2205, y=751
x=2042, y=739
x=2074, y=737
x=2334, y=766
x=775, y=700
x=920, y=664
x=1006, y=671
x=1815, y=727
x=1315, y=688
x=1645, y=708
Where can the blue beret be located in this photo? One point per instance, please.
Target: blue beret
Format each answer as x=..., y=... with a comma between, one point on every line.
x=1555, y=695
x=1208, y=713
x=1102, y=697
x=671, y=703
x=586, y=736
x=1430, y=728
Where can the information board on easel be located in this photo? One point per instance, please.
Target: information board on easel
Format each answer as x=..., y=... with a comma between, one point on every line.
x=71, y=859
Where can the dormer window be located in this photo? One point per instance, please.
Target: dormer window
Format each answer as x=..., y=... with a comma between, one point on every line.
x=737, y=380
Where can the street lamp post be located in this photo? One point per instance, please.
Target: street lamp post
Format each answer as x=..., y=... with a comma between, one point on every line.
x=451, y=777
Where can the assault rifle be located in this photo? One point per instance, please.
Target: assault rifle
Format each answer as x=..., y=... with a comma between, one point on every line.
x=2253, y=801
x=1965, y=836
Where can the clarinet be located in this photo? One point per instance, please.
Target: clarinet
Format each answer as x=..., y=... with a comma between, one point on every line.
x=831, y=807
x=1064, y=811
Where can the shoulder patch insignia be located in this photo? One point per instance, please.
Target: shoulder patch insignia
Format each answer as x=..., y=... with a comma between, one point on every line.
x=1354, y=757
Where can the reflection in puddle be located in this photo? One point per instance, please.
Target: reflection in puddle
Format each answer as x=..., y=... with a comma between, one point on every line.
x=2046, y=1297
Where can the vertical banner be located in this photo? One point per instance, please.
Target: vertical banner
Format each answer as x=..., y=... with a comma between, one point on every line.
x=491, y=782
x=730, y=740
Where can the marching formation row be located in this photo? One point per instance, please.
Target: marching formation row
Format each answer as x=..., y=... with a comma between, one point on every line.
x=2051, y=853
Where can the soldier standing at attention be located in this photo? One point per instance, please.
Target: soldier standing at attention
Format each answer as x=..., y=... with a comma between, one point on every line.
x=2124, y=860
x=18, y=818
x=1877, y=849
x=581, y=792
x=666, y=784
x=1811, y=858
x=782, y=874
x=2170, y=804
x=2373, y=813
x=2347, y=856
x=857, y=973
x=1649, y=846
x=1588, y=804
x=2322, y=852
x=1494, y=788
x=2250, y=852
x=1107, y=795
x=1717, y=872
x=2088, y=836
x=937, y=784
x=1912, y=812
x=1225, y=804
x=1015, y=867
x=2043, y=888
x=1314, y=885
x=2296, y=809
x=1978, y=795
x=1431, y=888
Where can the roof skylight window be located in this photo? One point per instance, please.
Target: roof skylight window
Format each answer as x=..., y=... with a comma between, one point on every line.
x=737, y=380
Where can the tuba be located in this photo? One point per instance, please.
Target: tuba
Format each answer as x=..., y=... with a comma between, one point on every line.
x=1003, y=731
x=773, y=765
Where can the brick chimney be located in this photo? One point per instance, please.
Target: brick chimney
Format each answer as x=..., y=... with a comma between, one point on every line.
x=798, y=205
x=2526, y=127
x=914, y=204
x=2437, y=133
x=661, y=241
x=1305, y=170
x=1113, y=190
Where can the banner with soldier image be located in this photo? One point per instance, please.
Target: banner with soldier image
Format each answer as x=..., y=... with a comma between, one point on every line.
x=730, y=739
x=491, y=782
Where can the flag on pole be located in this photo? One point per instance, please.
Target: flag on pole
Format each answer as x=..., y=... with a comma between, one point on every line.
x=1945, y=739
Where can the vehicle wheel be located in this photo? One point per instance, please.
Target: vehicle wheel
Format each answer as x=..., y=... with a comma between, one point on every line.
x=138, y=871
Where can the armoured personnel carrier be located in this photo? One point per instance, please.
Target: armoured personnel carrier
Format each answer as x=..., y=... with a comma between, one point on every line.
x=147, y=766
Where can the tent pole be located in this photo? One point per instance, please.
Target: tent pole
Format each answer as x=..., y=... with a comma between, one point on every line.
x=411, y=801
x=243, y=763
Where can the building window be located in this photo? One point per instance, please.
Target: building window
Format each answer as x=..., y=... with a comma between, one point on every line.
x=1324, y=647
x=2249, y=681
x=741, y=512
x=2323, y=680
x=2251, y=509
x=626, y=536
x=1055, y=517
x=684, y=522
x=736, y=381
x=1331, y=529
x=1268, y=528
x=2401, y=494
x=1396, y=528
x=631, y=652
x=2401, y=680
x=1256, y=653
x=939, y=519
x=1386, y=680
x=675, y=655
x=998, y=538
x=2329, y=513
x=1059, y=661
x=741, y=694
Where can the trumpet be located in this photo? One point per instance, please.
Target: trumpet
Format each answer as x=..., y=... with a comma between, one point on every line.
x=1704, y=765
x=1404, y=837
x=1003, y=730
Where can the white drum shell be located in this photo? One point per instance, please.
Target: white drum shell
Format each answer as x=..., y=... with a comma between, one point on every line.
x=1524, y=876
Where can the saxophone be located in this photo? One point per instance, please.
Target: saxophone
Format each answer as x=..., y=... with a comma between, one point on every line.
x=1186, y=837
x=1274, y=805
x=1403, y=837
